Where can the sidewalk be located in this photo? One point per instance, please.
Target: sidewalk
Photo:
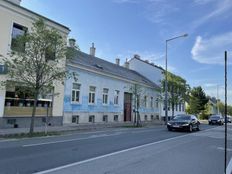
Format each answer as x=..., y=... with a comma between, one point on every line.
x=74, y=127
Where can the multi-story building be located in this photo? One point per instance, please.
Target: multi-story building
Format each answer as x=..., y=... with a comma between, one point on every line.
x=15, y=109
x=103, y=92
x=156, y=74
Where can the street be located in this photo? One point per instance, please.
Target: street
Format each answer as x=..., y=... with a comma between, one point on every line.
x=119, y=151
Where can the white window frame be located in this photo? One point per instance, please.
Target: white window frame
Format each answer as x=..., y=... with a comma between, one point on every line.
x=105, y=96
x=145, y=101
x=76, y=91
x=92, y=95
x=152, y=102
x=116, y=97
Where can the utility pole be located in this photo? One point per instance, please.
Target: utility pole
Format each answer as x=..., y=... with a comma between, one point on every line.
x=225, y=160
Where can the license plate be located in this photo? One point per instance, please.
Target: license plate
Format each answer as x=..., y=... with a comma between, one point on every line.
x=176, y=126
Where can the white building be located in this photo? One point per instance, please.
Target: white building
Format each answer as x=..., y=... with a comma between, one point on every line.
x=16, y=20
x=103, y=92
x=155, y=74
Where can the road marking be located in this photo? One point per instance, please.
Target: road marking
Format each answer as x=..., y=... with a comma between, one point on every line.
x=110, y=154
x=70, y=140
x=222, y=148
x=229, y=167
x=118, y=152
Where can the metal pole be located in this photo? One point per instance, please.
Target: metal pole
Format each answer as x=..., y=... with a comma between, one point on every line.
x=166, y=84
x=217, y=101
x=225, y=161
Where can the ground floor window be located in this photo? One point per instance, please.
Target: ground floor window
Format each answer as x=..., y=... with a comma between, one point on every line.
x=91, y=118
x=75, y=119
x=105, y=118
x=115, y=117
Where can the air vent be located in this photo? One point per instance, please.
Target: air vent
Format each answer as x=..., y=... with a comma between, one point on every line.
x=98, y=66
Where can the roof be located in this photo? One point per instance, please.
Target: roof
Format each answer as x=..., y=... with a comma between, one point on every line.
x=37, y=14
x=144, y=61
x=106, y=67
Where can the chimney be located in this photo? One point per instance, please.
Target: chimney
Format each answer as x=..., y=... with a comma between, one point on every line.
x=117, y=61
x=72, y=43
x=126, y=64
x=137, y=56
x=92, y=50
x=17, y=2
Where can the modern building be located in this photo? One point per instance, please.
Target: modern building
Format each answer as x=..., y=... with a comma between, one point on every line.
x=103, y=92
x=15, y=108
x=156, y=74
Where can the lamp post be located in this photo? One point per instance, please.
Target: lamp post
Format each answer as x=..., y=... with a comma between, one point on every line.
x=166, y=75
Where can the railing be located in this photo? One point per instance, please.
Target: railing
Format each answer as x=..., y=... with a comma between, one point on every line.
x=23, y=107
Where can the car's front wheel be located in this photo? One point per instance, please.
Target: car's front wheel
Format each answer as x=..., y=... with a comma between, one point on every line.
x=190, y=128
x=198, y=127
x=169, y=129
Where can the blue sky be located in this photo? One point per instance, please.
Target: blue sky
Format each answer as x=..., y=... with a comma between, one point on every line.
x=122, y=28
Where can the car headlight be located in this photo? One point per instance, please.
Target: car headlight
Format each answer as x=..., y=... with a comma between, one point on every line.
x=209, y=120
x=169, y=124
x=186, y=124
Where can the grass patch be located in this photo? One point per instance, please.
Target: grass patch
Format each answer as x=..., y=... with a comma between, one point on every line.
x=28, y=135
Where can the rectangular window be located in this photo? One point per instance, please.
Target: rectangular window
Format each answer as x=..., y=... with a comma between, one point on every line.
x=115, y=117
x=105, y=96
x=179, y=106
x=145, y=118
x=157, y=103
x=16, y=43
x=151, y=104
x=105, y=118
x=116, y=97
x=182, y=106
x=91, y=118
x=176, y=106
x=145, y=101
x=75, y=119
x=92, y=91
x=152, y=117
x=76, y=92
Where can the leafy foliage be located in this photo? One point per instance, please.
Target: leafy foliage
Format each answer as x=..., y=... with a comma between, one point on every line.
x=198, y=101
x=40, y=63
x=178, y=90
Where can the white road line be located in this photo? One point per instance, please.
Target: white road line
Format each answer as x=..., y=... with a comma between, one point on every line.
x=110, y=154
x=229, y=167
x=115, y=153
x=70, y=140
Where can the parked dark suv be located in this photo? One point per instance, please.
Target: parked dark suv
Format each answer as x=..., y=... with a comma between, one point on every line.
x=216, y=119
x=184, y=122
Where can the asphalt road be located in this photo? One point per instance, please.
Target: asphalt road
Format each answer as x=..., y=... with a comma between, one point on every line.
x=124, y=151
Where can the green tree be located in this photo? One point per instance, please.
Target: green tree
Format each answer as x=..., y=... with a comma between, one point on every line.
x=178, y=90
x=197, y=101
x=38, y=62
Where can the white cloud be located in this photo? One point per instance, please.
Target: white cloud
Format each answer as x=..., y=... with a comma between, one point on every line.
x=222, y=6
x=211, y=50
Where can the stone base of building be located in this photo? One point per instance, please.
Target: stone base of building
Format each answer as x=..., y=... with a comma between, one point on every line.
x=24, y=122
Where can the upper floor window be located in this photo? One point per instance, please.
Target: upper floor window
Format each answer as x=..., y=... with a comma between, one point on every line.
x=16, y=43
x=157, y=103
x=92, y=91
x=151, y=102
x=116, y=97
x=105, y=96
x=145, y=101
x=76, y=92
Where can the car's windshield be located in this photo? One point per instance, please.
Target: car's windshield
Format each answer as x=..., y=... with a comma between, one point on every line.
x=215, y=117
x=182, y=117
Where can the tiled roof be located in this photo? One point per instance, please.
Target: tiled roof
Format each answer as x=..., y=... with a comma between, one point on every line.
x=106, y=67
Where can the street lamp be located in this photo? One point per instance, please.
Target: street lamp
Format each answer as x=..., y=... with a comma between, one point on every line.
x=166, y=75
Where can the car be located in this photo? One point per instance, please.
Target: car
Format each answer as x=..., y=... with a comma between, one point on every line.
x=184, y=122
x=216, y=119
x=228, y=119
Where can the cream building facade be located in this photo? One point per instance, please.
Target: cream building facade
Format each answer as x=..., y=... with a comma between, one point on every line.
x=15, y=112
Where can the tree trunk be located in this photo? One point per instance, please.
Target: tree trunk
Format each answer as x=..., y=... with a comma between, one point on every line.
x=173, y=108
x=33, y=113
